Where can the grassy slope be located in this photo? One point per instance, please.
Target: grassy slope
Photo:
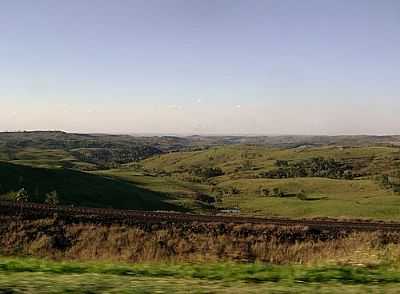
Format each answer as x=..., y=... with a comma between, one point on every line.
x=182, y=194
x=40, y=276
x=230, y=157
x=74, y=187
x=327, y=197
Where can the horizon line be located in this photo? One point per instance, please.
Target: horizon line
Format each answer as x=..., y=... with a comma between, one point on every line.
x=194, y=134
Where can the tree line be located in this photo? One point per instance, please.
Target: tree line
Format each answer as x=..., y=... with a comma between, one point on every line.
x=313, y=167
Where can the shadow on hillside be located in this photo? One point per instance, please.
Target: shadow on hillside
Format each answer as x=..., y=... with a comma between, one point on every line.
x=316, y=198
x=80, y=188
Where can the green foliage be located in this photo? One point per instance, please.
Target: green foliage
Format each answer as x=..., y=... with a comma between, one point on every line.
x=282, y=163
x=22, y=195
x=302, y=195
x=314, y=167
x=277, y=192
x=389, y=182
x=264, y=191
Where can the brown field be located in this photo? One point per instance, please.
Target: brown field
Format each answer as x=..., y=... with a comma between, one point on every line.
x=143, y=242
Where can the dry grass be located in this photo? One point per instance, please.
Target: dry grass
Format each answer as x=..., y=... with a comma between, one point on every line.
x=195, y=242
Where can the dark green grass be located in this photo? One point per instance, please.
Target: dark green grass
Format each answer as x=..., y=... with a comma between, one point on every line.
x=79, y=188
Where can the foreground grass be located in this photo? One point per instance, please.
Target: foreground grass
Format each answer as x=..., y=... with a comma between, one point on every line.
x=28, y=275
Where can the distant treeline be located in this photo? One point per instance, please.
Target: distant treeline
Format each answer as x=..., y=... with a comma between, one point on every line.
x=313, y=167
x=109, y=157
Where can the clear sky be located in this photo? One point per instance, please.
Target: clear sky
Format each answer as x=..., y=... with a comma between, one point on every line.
x=205, y=66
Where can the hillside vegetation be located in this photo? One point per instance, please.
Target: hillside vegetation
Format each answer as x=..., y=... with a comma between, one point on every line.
x=299, y=182
x=77, y=188
x=80, y=151
x=292, y=176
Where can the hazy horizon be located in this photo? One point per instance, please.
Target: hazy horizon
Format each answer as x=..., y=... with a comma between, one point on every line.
x=155, y=134
x=201, y=67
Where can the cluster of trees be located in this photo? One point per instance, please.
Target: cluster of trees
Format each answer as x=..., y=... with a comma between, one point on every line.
x=105, y=157
x=207, y=172
x=389, y=182
x=278, y=192
x=22, y=195
x=314, y=167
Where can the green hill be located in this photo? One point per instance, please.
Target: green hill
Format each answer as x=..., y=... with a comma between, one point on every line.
x=79, y=188
x=330, y=181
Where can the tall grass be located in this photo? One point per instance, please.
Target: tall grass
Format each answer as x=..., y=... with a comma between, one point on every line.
x=195, y=242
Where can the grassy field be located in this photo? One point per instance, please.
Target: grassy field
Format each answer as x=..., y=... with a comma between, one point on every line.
x=325, y=197
x=27, y=275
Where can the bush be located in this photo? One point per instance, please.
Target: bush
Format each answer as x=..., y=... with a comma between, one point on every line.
x=22, y=195
x=302, y=195
x=264, y=191
x=205, y=198
x=52, y=198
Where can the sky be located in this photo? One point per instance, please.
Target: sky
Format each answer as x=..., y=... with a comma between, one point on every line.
x=323, y=67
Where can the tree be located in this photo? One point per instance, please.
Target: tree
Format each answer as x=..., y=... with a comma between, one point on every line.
x=281, y=163
x=52, y=198
x=302, y=195
x=22, y=195
x=264, y=191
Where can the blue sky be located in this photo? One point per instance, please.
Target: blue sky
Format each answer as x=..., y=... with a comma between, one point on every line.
x=238, y=67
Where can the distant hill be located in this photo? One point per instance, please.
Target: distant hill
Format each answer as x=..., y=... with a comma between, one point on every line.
x=99, y=150
x=78, y=188
x=287, y=141
x=102, y=151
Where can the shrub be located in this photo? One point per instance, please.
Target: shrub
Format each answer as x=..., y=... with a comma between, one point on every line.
x=264, y=191
x=205, y=198
x=52, y=198
x=22, y=195
x=302, y=195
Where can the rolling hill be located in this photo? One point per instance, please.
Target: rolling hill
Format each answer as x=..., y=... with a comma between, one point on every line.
x=79, y=188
